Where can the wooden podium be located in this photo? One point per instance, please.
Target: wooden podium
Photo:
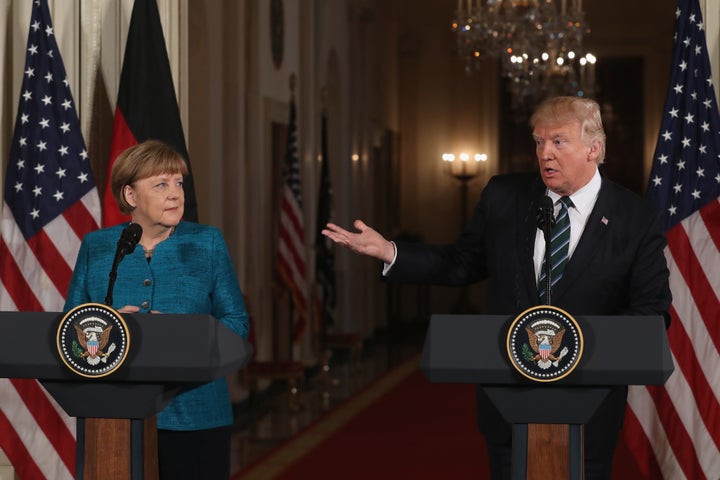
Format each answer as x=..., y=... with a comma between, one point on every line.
x=116, y=430
x=547, y=442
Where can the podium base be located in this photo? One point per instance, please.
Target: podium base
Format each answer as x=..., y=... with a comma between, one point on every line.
x=542, y=449
x=117, y=449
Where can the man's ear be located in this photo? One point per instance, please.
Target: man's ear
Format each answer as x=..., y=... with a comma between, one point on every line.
x=594, y=151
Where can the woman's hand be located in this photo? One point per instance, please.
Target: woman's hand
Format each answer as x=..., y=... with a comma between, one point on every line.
x=129, y=309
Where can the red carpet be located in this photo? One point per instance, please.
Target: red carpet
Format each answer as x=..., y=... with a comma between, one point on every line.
x=400, y=427
x=416, y=430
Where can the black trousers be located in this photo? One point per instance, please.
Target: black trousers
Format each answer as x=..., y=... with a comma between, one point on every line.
x=194, y=455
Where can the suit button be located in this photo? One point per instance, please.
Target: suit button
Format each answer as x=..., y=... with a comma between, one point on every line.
x=147, y=282
x=145, y=305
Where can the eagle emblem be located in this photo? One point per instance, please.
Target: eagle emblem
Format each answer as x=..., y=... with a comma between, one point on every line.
x=545, y=338
x=93, y=338
x=544, y=343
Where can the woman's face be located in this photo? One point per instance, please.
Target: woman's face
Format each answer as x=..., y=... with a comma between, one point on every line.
x=158, y=200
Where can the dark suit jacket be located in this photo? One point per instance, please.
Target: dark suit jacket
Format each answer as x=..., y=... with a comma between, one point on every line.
x=618, y=267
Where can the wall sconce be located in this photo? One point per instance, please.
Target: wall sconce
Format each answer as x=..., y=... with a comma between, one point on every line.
x=465, y=167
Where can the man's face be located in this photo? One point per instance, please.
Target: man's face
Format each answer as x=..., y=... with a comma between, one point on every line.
x=566, y=162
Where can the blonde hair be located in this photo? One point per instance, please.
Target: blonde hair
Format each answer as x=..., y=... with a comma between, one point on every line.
x=151, y=157
x=561, y=110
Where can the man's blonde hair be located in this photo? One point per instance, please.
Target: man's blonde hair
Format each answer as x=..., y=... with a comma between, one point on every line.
x=562, y=110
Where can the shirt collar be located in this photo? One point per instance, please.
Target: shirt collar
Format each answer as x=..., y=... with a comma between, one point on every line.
x=583, y=199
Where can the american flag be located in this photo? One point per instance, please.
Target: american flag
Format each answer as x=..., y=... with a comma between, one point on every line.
x=50, y=203
x=674, y=430
x=291, y=245
x=324, y=255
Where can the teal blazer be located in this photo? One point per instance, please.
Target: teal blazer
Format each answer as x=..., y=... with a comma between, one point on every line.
x=190, y=272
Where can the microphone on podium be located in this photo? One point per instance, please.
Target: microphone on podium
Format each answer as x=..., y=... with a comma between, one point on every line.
x=129, y=238
x=545, y=222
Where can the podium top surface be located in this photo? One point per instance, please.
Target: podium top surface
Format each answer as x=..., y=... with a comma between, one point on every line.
x=619, y=350
x=187, y=348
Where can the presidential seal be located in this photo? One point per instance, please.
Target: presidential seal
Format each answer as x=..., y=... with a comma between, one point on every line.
x=93, y=340
x=544, y=343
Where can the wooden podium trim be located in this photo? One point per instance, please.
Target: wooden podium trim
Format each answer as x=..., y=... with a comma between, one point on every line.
x=548, y=451
x=108, y=448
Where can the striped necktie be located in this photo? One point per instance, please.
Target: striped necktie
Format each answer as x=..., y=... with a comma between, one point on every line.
x=559, y=246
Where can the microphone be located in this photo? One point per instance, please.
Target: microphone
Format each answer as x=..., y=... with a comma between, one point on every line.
x=129, y=238
x=545, y=217
x=545, y=222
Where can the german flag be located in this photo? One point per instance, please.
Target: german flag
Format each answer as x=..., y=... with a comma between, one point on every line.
x=146, y=106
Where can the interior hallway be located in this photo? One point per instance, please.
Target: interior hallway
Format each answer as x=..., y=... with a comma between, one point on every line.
x=276, y=415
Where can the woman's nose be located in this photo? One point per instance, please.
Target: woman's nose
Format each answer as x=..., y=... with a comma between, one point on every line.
x=176, y=191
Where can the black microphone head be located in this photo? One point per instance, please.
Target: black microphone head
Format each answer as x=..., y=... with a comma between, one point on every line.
x=546, y=204
x=545, y=212
x=129, y=237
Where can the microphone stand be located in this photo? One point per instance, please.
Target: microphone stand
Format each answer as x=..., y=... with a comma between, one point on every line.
x=111, y=282
x=548, y=261
x=129, y=238
x=546, y=219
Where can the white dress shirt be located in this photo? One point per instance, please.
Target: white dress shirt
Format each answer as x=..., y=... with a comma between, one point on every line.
x=584, y=201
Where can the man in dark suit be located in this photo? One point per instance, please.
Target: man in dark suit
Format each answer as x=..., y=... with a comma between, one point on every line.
x=616, y=263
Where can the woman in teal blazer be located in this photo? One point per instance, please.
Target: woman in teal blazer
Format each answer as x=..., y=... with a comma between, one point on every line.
x=182, y=267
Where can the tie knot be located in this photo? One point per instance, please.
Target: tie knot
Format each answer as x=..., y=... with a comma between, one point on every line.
x=567, y=201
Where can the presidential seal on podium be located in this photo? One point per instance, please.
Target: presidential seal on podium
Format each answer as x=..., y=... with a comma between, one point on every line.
x=544, y=343
x=93, y=340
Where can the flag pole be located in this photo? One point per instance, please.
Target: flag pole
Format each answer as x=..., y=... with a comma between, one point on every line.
x=292, y=83
x=291, y=250
x=323, y=166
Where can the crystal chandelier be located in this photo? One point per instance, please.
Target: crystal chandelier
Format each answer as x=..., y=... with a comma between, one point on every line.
x=538, y=43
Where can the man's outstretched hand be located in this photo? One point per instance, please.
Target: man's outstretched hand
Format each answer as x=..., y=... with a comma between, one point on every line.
x=366, y=242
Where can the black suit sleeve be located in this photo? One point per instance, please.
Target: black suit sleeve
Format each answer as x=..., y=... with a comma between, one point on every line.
x=648, y=283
